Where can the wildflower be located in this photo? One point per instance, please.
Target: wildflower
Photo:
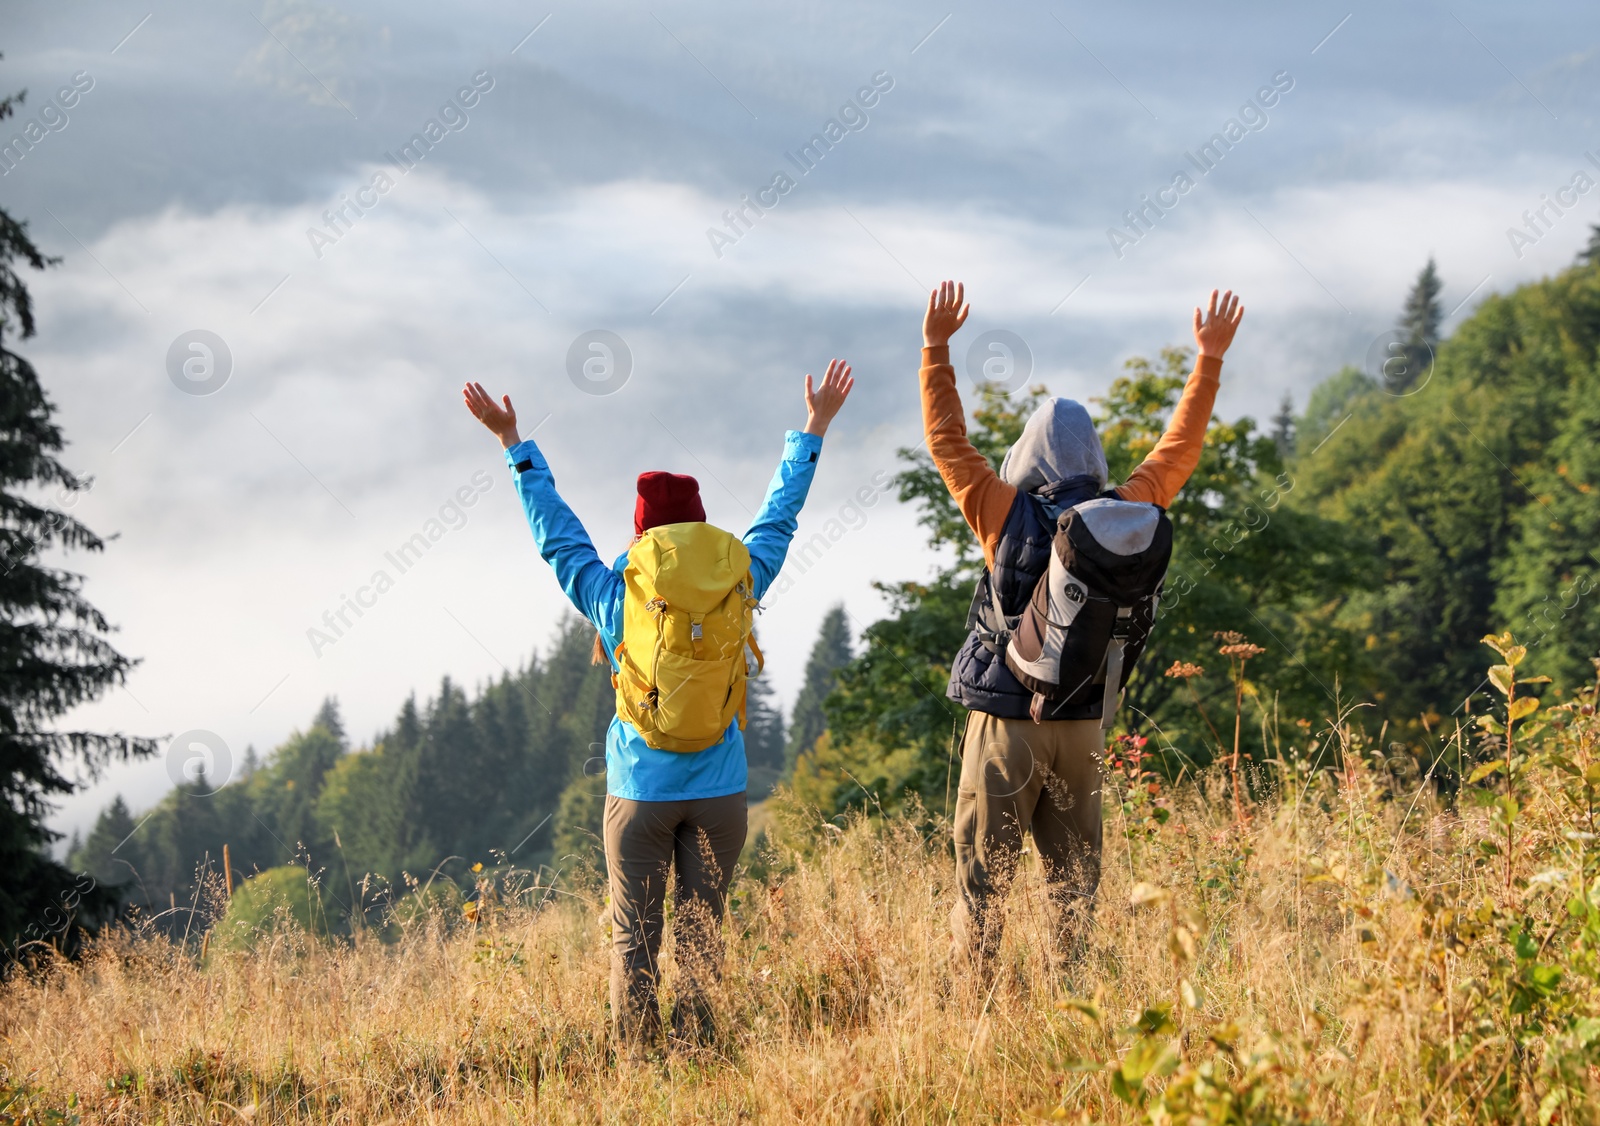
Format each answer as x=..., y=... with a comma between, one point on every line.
x=1184, y=670
x=1239, y=650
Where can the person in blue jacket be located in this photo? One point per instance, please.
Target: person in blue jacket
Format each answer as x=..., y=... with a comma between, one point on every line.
x=665, y=810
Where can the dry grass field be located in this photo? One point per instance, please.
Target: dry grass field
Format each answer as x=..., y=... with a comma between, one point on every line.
x=1354, y=948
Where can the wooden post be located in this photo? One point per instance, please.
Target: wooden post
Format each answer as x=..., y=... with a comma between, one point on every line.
x=227, y=871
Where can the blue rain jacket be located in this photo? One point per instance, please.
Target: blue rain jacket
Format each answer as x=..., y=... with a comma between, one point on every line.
x=633, y=770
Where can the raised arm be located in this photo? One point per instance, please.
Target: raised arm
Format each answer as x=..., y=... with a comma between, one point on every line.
x=1161, y=474
x=774, y=526
x=594, y=588
x=984, y=499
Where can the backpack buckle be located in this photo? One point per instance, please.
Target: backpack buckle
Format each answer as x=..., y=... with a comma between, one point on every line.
x=1123, y=626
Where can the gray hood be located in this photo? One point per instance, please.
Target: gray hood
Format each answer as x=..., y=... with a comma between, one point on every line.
x=1058, y=442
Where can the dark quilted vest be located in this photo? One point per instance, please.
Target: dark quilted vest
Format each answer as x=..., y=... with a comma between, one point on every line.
x=979, y=679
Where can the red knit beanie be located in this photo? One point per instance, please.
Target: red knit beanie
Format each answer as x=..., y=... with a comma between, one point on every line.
x=666, y=498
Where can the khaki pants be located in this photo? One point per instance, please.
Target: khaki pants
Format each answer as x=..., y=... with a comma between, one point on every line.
x=1019, y=776
x=645, y=840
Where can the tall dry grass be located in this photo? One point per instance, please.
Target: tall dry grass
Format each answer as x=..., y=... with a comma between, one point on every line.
x=1351, y=953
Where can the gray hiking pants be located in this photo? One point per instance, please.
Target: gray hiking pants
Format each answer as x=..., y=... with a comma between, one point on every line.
x=1020, y=777
x=645, y=840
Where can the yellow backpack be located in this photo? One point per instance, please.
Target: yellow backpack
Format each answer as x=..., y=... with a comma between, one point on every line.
x=687, y=616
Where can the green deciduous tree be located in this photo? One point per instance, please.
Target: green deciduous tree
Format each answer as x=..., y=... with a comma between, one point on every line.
x=1547, y=583
x=1478, y=501
x=579, y=839
x=1243, y=559
x=891, y=729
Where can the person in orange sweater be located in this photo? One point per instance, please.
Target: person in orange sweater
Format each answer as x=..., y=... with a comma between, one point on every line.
x=1036, y=773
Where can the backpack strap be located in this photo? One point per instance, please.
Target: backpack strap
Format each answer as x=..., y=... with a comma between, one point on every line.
x=761, y=663
x=1115, y=652
x=986, y=619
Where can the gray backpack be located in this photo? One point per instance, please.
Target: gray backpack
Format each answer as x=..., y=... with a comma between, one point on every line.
x=1091, y=614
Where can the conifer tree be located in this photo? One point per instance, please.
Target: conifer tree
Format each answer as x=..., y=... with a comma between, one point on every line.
x=1590, y=255
x=1283, y=427
x=763, y=736
x=99, y=854
x=53, y=650
x=1419, y=325
x=327, y=718
x=829, y=654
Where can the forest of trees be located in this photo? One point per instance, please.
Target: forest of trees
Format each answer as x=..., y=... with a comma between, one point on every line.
x=512, y=774
x=1367, y=543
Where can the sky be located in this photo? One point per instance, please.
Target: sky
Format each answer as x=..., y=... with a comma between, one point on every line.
x=571, y=200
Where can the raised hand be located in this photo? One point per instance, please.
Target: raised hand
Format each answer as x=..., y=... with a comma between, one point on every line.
x=1213, y=334
x=500, y=418
x=823, y=402
x=946, y=313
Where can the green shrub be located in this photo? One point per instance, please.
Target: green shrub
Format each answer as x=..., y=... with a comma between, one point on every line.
x=269, y=902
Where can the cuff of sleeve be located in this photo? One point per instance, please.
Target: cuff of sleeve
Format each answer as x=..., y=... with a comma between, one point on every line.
x=800, y=446
x=1208, y=365
x=525, y=451
x=934, y=357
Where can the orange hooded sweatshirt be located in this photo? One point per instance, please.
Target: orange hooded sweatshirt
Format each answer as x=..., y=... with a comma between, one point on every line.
x=985, y=499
